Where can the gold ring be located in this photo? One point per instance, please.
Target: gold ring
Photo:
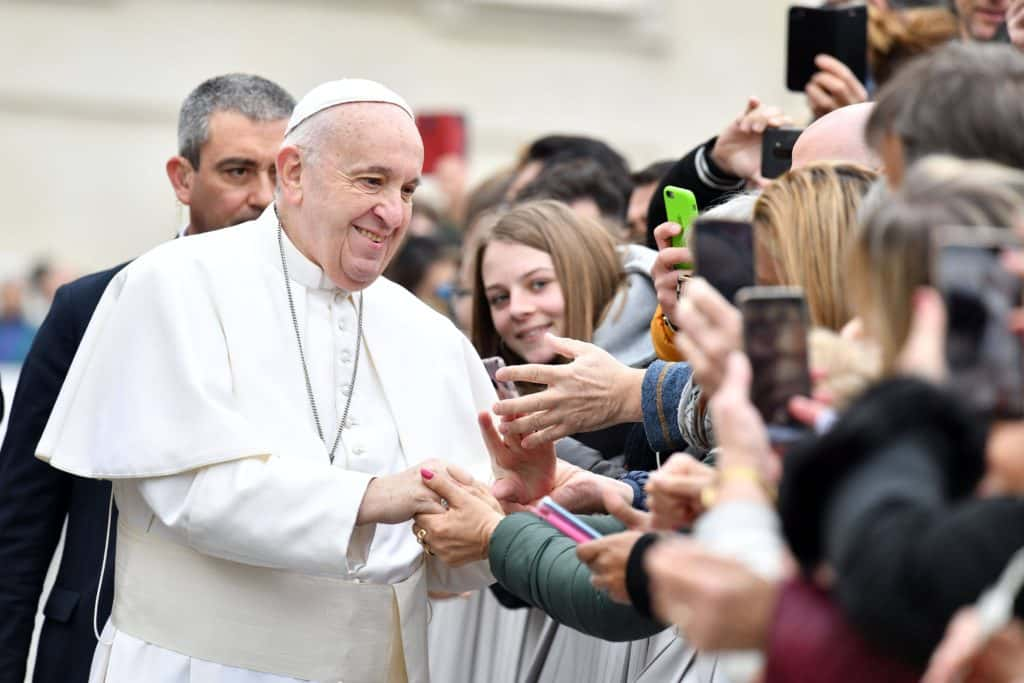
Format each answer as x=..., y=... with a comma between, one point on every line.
x=421, y=536
x=680, y=282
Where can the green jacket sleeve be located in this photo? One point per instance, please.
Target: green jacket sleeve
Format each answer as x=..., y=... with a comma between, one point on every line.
x=538, y=564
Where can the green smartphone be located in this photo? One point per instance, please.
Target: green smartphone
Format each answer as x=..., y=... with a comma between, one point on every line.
x=681, y=208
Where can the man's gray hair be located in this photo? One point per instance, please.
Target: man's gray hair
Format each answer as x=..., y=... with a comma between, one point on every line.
x=252, y=96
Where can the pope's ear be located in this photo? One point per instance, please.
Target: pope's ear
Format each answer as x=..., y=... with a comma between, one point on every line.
x=182, y=175
x=289, y=174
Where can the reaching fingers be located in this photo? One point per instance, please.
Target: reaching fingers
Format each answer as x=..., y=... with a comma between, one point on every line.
x=526, y=405
x=680, y=486
x=460, y=474
x=820, y=101
x=849, y=82
x=545, y=436
x=589, y=551
x=734, y=389
x=533, y=372
x=527, y=424
x=625, y=513
x=570, y=348
x=492, y=439
x=713, y=306
x=664, y=233
x=444, y=486
x=669, y=257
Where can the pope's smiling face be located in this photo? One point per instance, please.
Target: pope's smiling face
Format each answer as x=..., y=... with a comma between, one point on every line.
x=354, y=193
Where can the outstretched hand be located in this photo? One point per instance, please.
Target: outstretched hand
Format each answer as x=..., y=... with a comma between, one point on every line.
x=716, y=601
x=711, y=328
x=591, y=392
x=522, y=475
x=674, y=491
x=607, y=556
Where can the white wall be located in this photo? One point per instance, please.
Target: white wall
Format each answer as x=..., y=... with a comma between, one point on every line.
x=90, y=89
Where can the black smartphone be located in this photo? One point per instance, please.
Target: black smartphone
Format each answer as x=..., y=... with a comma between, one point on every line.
x=985, y=358
x=505, y=389
x=723, y=254
x=841, y=32
x=777, y=150
x=775, y=339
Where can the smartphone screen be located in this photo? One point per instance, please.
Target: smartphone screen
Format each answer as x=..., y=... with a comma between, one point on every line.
x=839, y=32
x=505, y=389
x=723, y=254
x=984, y=356
x=777, y=150
x=775, y=340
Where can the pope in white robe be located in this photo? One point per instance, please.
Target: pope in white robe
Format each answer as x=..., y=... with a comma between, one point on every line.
x=243, y=553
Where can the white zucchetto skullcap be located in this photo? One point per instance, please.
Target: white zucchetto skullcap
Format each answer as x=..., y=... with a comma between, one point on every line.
x=344, y=91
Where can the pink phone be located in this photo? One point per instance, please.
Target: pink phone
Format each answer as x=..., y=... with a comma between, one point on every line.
x=505, y=389
x=566, y=522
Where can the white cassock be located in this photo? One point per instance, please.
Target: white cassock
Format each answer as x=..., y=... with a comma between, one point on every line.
x=238, y=557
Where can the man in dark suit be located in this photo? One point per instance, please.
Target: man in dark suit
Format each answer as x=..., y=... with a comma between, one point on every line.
x=229, y=130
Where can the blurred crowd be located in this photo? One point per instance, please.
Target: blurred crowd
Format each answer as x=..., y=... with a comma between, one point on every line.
x=24, y=302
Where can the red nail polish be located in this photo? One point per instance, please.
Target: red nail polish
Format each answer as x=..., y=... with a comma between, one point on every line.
x=426, y=474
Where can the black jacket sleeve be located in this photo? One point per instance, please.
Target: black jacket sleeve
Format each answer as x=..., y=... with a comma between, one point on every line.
x=885, y=499
x=33, y=496
x=697, y=173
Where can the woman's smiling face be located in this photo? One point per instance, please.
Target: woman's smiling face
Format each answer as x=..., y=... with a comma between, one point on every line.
x=525, y=298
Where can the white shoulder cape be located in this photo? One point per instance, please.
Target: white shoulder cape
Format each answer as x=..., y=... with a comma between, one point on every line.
x=190, y=360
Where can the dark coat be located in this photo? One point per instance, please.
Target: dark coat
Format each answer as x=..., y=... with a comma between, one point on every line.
x=34, y=501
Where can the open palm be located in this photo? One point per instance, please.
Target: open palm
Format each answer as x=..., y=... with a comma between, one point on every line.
x=522, y=475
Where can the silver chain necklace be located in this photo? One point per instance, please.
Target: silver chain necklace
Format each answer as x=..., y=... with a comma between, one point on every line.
x=302, y=355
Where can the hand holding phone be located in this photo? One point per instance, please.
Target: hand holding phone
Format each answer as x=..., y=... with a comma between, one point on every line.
x=681, y=208
x=566, y=522
x=777, y=150
x=775, y=339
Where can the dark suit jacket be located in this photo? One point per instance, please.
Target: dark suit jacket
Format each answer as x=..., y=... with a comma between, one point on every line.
x=34, y=501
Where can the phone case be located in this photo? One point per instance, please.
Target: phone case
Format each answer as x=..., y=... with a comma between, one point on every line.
x=777, y=150
x=505, y=389
x=681, y=208
x=839, y=32
x=552, y=518
x=569, y=517
x=775, y=324
x=985, y=358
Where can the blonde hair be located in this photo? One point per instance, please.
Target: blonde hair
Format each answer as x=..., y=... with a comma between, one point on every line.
x=801, y=223
x=587, y=266
x=890, y=253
